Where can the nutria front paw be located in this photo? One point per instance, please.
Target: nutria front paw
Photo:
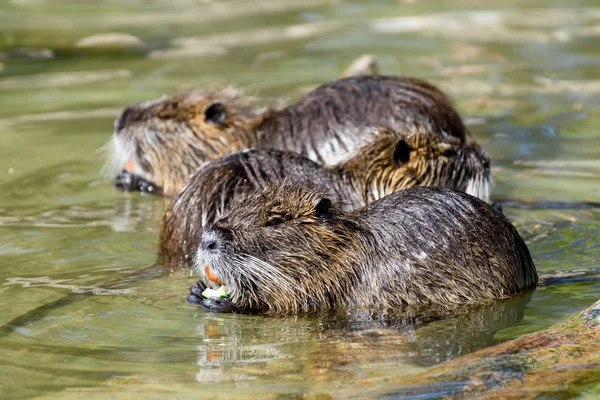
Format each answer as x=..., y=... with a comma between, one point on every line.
x=126, y=181
x=217, y=304
x=149, y=187
x=130, y=182
x=214, y=304
x=195, y=296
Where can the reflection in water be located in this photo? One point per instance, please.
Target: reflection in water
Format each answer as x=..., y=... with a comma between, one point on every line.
x=230, y=349
x=60, y=186
x=133, y=211
x=342, y=345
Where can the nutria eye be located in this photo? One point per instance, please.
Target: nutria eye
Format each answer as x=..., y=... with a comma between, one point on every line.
x=215, y=114
x=274, y=221
x=402, y=152
x=323, y=207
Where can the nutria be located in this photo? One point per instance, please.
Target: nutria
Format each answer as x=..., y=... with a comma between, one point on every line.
x=292, y=249
x=165, y=140
x=387, y=161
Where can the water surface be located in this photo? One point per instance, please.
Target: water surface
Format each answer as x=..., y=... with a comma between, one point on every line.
x=525, y=74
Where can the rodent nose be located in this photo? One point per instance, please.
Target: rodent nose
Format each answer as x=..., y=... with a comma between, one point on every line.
x=209, y=245
x=210, y=242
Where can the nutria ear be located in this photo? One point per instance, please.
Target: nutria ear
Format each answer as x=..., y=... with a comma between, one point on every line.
x=215, y=114
x=323, y=207
x=402, y=152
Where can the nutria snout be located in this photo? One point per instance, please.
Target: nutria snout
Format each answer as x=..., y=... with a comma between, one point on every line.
x=291, y=249
x=164, y=141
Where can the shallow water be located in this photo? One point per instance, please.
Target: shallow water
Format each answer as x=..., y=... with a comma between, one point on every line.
x=526, y=75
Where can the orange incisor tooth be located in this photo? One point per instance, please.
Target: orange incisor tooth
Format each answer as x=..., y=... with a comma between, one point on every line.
x=212, y=277
x=129, y=166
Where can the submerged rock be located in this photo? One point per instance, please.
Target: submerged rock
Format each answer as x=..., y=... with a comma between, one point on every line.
x=549, y=361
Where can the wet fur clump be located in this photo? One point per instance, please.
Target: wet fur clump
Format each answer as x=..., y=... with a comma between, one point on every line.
x=210, y=192
x=292, y=249
x=167, y=139
x=389, y=160
x=385, y=162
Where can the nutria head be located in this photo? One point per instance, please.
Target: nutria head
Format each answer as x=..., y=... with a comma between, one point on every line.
x=279, y=251
x=390, y=160
x=212, y=189
x=165, y=140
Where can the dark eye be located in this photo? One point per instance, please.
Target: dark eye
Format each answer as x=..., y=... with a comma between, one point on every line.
x=323, y=207
x=402, y=152
x=215, y=114
x=272, y=221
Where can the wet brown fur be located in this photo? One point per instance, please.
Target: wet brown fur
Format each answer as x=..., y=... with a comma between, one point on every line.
x=423, y=247
x=169, y=138
x=376, y=171
x=172, y=137
x=392, y=160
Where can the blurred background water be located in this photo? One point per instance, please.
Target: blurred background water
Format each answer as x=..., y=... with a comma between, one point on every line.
x=525, y=75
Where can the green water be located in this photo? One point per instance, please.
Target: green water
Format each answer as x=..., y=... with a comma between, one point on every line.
x=525, y=74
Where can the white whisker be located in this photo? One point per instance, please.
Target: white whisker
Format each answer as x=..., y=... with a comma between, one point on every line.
x=480, y=186
x=269, y=276
x=116, y=157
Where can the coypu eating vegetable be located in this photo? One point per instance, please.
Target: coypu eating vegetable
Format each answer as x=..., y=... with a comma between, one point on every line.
x=292, y=249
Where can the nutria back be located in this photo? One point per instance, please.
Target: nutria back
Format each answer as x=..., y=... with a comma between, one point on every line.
x=292, y=249
x=327, y=124
x=454, y=247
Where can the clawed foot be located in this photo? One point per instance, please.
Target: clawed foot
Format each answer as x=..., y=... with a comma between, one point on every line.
x=195, y=296
x=130, y=182
x=214, y=304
